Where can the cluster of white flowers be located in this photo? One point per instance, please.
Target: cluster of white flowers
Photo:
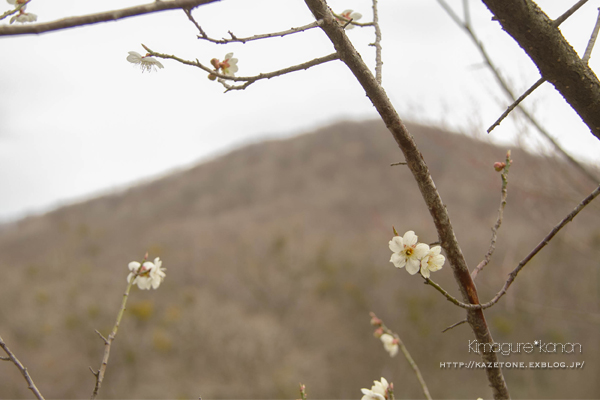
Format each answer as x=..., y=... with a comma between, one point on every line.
x=22, y=16
x=146, y=62
x=415, y=256
x=228, y=66
x=377, y=392
x=147, y=275
x=390, y=344
x=348, y=15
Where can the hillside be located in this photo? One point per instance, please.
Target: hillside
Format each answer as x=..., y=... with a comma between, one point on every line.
x=276, y=253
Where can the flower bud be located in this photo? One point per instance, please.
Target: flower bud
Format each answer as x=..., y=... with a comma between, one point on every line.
x=378, y=332
x=499, y=166
x=212, y=77
x=215, y=63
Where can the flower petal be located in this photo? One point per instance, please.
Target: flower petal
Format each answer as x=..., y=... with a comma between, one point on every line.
x=396, y=244
x=409, y=238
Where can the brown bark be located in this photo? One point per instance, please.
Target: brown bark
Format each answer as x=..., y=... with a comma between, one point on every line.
x=71, y=22
x=420, y=171
x=555, y=58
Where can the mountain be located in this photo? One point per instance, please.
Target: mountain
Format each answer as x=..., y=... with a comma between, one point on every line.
x=276, y=253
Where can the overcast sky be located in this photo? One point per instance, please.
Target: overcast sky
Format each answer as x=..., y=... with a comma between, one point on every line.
x=77, y=119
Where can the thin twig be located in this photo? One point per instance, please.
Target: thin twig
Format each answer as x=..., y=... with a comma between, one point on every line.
x=590, y=46
x=454, y=325
x=11, y=12
x=108, y=341
x=21, y=368
x=516, y=103
x=568, y=13
x=377, y=43
x=490, y=252
x=247, y=79
x=407, y=355
x=114, y=15
x=505, y=87
x=234, y=38
x=524, y=262
x=397, y=163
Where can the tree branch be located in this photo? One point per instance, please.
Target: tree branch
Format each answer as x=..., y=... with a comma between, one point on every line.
x=420, y=171
x=509, y=93
x=65, y=23
x=490, y=252
x=524, y=262
x=234, y=38
x=21, y=368
x=247, y=79
x=556, y=60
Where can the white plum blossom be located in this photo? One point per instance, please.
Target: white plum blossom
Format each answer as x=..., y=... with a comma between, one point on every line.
x=433, y=261
x=146, y=62
x=377, y=392
x=149, y=274
x=23, y=17
x=390, y=344
x=407, y=253
x=348, y=15
x=229, y=65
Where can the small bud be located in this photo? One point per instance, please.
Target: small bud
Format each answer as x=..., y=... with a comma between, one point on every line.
x=395, y=231
x=499, y=166
x=375, y=321
x=212, y=77
x=215, y=63
x=378, y=332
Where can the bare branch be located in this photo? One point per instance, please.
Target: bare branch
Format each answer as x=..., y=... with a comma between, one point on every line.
x=516, y=103
x=114, y=15
x=108, y=341
x=21, y=368
x=247, y=79
x=488, y=255
x=555, y=58
x=524, y=262
x=454, y=325
x=377, y=43
x=568, y=13
x=234, y=38
x=505, y=87
x=420, y=171
x=590, y=46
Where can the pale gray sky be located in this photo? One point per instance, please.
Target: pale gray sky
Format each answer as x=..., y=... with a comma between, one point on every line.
x=77, y=119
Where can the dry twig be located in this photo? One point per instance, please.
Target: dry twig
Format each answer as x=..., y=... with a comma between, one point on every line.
x=234, y=38
x=247, y=79
x=592, y=41
x=488, y=255
x=505, y=87
x=404, y=350
x=524, y=262
x=114, y=15
x=21, y=368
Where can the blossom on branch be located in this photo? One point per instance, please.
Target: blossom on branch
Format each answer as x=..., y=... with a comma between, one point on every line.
x=377, y=392
x=348, y=15
x=407, y=252
x=147, y=275
x=390, y=344
x=23, y=17
x=146, y=62
x=432, y=261
x=228, y=66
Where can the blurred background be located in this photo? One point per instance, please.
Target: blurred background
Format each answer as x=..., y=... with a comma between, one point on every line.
x=272, y=208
